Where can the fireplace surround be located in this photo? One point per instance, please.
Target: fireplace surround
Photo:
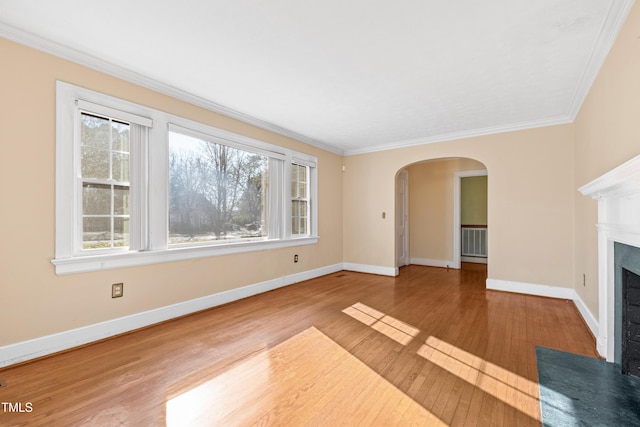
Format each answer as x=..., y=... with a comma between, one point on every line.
x=618, y=195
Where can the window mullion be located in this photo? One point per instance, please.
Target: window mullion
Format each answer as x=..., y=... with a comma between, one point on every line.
x=78, y=184
x=157, y=209
x=111, y=187
x=112, y=218
x=313, y=203
x=308, y=199
x=138, y=223
x=287, y=216
x=277, y=170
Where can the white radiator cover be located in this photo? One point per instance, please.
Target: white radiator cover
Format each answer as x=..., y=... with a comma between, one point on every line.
x=474, y=242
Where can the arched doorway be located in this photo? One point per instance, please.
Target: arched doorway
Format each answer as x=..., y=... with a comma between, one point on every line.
x=428, y=211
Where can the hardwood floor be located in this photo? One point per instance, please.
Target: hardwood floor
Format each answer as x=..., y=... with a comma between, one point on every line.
x=464, y=354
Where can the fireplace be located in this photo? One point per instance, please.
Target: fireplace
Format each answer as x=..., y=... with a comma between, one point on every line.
x=618, y=195
x=627, y=308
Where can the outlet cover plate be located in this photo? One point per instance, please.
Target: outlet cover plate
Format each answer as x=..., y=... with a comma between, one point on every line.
x=117, y=290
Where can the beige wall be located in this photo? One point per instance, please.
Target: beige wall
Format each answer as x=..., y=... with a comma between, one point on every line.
x=607, y=133
x=36, y=302
x=473, y=200
x=431, y=207
x=531, y=195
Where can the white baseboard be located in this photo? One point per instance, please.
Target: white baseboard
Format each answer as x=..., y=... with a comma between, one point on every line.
x=432, y=262
x=548, y=291
x=38, y=347
x=371, y=269
x=588, y=317
x=530, y=289
x=476, y=260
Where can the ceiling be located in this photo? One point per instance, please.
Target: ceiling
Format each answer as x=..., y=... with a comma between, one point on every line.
x=349, y=76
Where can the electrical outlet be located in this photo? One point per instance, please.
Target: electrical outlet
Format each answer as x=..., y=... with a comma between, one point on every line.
x=295, y=258
x=117, y=290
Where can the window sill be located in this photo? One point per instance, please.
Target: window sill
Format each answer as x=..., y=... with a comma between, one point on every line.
x=83, y=264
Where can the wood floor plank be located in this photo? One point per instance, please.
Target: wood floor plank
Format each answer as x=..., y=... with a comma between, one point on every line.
x=471, y=361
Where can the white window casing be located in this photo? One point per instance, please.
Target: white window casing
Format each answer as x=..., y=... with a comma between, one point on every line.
x=149, y=182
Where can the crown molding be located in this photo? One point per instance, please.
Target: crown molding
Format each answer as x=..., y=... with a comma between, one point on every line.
x=616, y=16
x=553, y=121
x=56, y=49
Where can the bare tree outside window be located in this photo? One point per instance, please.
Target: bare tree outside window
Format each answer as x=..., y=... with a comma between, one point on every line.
x=216, y=192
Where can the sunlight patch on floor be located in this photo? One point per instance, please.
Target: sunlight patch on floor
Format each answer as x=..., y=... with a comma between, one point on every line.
x=500, y=383
x=391, y=327
x=194, y=407
x=306, y=380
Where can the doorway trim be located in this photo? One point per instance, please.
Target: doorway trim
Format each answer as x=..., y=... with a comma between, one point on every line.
x=457, y=178
x=402, y=218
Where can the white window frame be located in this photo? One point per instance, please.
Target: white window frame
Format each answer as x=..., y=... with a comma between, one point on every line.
x=311, y=195
x=213, y=135
x=149, y=164
x=138, y=131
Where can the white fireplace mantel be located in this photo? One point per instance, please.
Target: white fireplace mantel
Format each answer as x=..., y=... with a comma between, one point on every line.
x=618, y=195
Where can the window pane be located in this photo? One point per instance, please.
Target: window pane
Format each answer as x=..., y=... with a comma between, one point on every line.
x=298, y=181
x=216, y=192
x=120, y=167
x=105, y=148
x=96, y=233
x=302, y=190
x=96, y=199
x=95, y=131
x=299, y=217
x=95, y=163
x=121, y=200
x=120, y=136
x=294, y=180
x=120, y=231
x=298, y=226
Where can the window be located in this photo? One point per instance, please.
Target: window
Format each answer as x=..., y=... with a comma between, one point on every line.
x=217, y=193
x=299, y=200
x=104, y=176
x=137, y=186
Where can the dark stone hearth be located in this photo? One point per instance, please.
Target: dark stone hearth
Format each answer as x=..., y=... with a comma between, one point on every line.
x=584, y=391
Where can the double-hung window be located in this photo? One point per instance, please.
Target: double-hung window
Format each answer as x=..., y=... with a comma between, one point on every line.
x=300, y=200
x=137, y=186
x=104, y=178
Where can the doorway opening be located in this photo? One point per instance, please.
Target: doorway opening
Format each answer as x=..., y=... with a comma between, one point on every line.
x=470, y=217
x=428, y=223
